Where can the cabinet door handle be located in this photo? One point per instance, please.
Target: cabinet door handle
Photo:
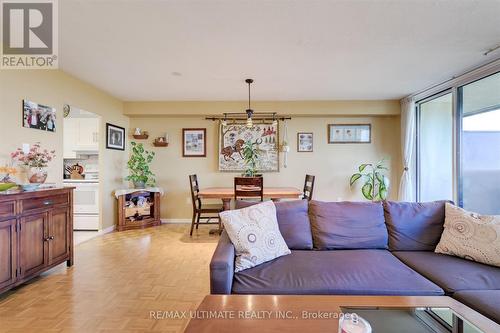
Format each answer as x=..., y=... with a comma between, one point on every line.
x=46, y=239
x=51, y=237
x=48, y=202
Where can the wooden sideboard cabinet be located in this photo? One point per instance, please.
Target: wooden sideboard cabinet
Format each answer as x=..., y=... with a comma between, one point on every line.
x=36, y=234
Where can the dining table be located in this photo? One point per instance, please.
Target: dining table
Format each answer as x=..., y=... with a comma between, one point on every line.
x=225, y=194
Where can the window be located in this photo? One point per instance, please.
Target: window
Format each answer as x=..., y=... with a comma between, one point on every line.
x=435, y=148
x=479, y=178
x=458, y=144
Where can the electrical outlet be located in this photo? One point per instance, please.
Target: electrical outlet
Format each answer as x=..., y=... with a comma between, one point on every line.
x=26, y=148
x=188, y=200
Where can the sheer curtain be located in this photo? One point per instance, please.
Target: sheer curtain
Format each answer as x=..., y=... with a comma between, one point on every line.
x=408, y=129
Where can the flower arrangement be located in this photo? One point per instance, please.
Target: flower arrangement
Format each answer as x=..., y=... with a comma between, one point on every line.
x=35, y=158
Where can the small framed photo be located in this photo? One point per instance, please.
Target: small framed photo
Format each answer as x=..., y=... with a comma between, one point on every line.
x=194, y=142
x=39, y=116
x=304, y=142
x=115, y=137
x=349, y=133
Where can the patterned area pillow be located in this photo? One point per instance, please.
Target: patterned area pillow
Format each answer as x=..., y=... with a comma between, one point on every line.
x=470, y=236
x=255, y=234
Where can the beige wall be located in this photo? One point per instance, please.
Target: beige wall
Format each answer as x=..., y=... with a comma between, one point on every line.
x=331, y=163
x=56, y=88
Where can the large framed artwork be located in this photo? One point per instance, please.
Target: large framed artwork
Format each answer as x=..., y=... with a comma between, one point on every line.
x=115, y=137
x=39, y=116
x=194, y=142
x=232, y=138
x=349, y=133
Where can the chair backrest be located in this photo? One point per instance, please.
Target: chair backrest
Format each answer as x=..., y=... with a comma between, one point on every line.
x=195, y=189
x=249, y=187
x=308, y=187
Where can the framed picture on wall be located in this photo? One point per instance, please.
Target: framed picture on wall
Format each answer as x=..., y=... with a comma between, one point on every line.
x=349, y=133
x=194, y=142
x=232, y=138
x=39, y=116
x=304, y=142
x=115, y=137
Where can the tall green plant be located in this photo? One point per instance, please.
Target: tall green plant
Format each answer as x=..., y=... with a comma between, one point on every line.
x=376, y=183
x=250, y=156
x=138, y=165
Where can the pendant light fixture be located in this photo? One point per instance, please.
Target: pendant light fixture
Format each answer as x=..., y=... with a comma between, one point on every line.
x=249, y=111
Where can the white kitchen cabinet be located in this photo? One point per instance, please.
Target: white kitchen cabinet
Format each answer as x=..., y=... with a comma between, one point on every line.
x=87, y=134
x=80, y=135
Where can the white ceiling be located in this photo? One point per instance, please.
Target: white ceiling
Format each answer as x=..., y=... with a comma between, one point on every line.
x=295, y=50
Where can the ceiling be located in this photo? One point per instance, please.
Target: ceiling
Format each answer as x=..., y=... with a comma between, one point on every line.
x=295, y=50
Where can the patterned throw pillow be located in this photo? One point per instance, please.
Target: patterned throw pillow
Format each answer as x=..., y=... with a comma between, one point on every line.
x=255, y=234
x=470, y=236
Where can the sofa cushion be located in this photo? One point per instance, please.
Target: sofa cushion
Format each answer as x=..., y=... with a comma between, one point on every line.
x=255, y=234
x=486, y=302
x=348, y=225
x=293, y=221
x=451, y=273
x=471, y=236
x=338, y=272
x=414, y=226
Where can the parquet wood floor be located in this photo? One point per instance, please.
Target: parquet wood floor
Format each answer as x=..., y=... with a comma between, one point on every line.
x=117, y=279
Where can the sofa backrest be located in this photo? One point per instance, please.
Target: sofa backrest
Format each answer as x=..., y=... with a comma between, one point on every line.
x=293, y=221
x=414, y=226
x=348, y=225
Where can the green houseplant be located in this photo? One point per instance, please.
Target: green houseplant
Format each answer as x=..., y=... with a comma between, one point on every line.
x=250, y=156
x=376, y=183
x=138, y=164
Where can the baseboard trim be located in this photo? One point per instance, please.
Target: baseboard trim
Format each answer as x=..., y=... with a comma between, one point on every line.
x=107, y=230
x=175, y=221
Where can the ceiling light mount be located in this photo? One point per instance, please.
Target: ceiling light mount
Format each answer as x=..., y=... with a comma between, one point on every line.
x=249, y=115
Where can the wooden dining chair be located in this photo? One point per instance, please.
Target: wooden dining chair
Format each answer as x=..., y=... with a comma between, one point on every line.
x=202, y=213
x=308, y=187
x=248, y=188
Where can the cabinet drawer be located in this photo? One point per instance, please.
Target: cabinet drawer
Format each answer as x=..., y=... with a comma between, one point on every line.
x=7, y=209
x=44, y=202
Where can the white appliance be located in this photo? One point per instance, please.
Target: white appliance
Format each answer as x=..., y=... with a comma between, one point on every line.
x=85, y=203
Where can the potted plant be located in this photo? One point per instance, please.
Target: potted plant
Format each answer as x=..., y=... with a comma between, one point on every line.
x=376, y=183
x=250, y=156
x=139, y=171
x=35, y=160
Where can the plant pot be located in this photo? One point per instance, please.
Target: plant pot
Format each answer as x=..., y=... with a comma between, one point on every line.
x=37, y=175
x=139, y=185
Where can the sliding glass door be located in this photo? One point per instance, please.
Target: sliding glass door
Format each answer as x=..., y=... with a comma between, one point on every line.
x=435, y=148
x=479, y=176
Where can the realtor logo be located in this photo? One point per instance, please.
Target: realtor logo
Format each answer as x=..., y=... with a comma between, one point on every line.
x=29, y=38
